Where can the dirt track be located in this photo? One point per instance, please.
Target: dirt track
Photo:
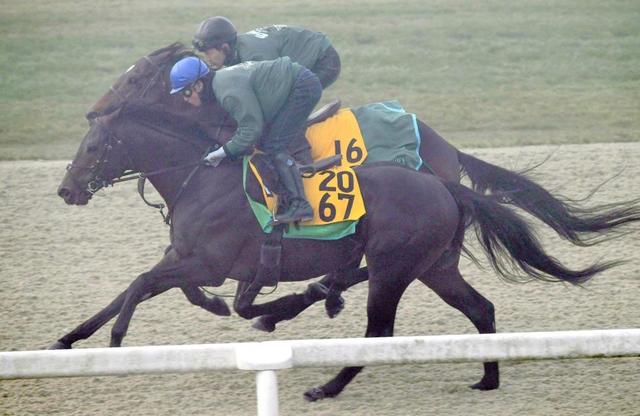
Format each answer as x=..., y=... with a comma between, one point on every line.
x=60, y=264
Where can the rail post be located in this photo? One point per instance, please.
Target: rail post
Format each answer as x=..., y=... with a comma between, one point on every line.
x=265, y=358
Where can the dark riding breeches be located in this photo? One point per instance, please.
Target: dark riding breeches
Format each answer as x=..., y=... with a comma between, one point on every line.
x=327, y=67
x=291, y=121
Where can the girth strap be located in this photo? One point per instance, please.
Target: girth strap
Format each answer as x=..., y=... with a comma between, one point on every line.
x=269, y=268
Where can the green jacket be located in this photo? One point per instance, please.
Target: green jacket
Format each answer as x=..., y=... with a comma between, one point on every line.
x=253, y=93
x=265, y=43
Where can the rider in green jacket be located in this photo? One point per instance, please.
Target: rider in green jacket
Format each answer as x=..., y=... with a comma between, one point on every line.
x=270, y=101
x=218, y=40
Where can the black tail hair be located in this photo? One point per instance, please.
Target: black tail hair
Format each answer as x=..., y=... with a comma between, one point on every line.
x=510, y=242
x=581, y=226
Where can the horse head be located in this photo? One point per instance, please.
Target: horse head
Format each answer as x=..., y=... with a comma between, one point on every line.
x=131, y=140
x=100, y=157
x=147, y=83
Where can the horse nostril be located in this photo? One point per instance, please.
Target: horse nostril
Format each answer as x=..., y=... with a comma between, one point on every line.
x=91, y=115
x=64, y=193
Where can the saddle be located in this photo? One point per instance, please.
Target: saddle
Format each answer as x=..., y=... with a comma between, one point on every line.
x=324, y=112
x=300, y=149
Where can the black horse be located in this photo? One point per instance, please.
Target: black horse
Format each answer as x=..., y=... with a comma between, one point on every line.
x=147, y=83
x=413, y=229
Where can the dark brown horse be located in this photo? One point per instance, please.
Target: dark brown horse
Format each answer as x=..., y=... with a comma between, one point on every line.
x=147, y=83
x=413, y=229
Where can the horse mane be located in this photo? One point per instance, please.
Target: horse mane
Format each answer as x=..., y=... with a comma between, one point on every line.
x=174, y=48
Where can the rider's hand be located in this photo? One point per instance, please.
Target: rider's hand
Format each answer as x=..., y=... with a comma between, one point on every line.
x=214, y=158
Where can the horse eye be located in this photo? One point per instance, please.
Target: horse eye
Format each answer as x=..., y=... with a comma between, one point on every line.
x=132, y=80
x=92, y=148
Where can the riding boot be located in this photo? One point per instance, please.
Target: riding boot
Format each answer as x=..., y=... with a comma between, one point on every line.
x=300, y=150
x=299, y=208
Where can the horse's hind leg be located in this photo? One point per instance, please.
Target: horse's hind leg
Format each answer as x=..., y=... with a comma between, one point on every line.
x=385, y=290
x=447, y=282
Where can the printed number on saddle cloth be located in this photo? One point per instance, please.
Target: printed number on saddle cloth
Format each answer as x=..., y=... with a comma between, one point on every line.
x=352, y=153
x=335, y=196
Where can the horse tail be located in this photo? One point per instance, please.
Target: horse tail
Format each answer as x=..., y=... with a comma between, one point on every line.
x=510, y=243
x=580, y=226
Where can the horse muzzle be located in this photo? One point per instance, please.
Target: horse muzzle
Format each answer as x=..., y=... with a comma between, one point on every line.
x=72, y=197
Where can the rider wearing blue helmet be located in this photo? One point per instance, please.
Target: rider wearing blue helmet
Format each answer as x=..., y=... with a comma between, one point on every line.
x=217, y=39
x=270, y=101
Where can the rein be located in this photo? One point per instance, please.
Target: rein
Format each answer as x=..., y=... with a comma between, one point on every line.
x=142, y=178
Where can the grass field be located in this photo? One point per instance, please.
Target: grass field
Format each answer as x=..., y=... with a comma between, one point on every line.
x=490, y=73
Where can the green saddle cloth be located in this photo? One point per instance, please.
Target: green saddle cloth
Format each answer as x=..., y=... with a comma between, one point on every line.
x=390, y=133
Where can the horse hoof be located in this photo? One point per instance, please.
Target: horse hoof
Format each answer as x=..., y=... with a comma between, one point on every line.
x=261, y=324
x=315, y=292
x=58, y=345
x=219, y=307
x=334, y=305
x=484, y=385
x=314, y=394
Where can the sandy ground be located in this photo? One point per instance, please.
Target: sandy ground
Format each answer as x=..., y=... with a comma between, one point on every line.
x=61, y=264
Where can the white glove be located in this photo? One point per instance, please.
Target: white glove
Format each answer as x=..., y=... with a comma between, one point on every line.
x=214, y=158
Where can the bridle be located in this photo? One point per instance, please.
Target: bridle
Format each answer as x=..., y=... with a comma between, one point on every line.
x=159, y=71
x=99, y=180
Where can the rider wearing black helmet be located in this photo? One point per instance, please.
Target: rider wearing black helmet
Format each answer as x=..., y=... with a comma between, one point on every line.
x=217, y=38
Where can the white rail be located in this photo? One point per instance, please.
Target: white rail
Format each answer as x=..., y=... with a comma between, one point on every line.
x=267, y=357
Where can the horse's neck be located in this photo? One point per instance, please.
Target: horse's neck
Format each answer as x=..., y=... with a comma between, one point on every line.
x=213, y=119
x=184, y=185
x=168, y=186
x=157, y=156
x=156, y=148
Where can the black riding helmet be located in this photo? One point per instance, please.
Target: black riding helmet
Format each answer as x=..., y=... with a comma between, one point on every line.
x=213, y=32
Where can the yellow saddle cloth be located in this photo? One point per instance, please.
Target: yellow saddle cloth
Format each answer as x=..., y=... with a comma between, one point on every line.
x=334, y=194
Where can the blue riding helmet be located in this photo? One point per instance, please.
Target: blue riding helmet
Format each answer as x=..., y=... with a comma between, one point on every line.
x=185, y=72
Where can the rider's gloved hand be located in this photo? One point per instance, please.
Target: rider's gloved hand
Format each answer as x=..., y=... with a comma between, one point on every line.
x=214, y=158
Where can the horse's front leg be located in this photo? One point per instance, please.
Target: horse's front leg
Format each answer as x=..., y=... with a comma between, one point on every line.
x=91, y=325
x=215, y=305
x=290, y=306
x=330, y=287
x=170, y=273
x=97, y=321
